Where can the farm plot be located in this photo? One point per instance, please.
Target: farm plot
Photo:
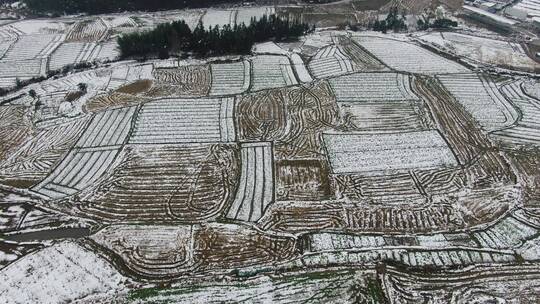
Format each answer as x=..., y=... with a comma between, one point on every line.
x=10, y=251
x=78, y=170
x=370, y=153
x=327, y=286
x=298, y=217
x=94, y=153
x=527, y=164
x=120, y=97
x=271, y=72
x=507, y=233
x=481, y=99
x=22, y=69
x=187, y=81
x=230, y=78
x=361, y=58
x=302, y=180
x=163, y=252
x=531, y=7
x=220, y=247
x=300, y=68
x=108, y=128
x=15, y=125
x=126, y=74
x=292, y=118
x=157, y=252
x=108, y=51
x=39, y=152
x=458, y=126
x=380, y=189
x=484, y=50
x=63, y=272
x=385, y=116
x=5, y=45
x=96, y=80
x=38, y=26
x=71, y=53
x=407, y=57
x=484, y=164
x=527, y=130
x=213, y=18
x=331, y=61
x=168, y=183
x=120, y=21
x=369, y=87
x=185, y=121
x=92, y=30
x=475, y=284
x=411, y=257
x=256, y=187
x=30, y=47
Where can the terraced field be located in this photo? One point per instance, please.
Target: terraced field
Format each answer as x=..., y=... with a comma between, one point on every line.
x=341, y=168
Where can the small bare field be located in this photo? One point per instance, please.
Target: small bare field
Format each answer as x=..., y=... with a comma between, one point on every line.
x=188, y=81
x=172, y=183
x=292, y=117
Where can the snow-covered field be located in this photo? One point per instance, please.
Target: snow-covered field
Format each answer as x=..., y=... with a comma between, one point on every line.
x=370, y=87
x=59, y=274
x=256, y=189
x=482, y=99
x=270, y=71
x=330, y=61
x=185, y=121
x=206, y=180
x=407, y=57
x=483, y=50
x=230, y=78
x=371, y=153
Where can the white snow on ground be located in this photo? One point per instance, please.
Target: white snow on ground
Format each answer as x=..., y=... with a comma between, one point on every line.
x=407, y=57
x=218, y=17
x=484, y=50
x=268, y=48
x=495, y=17
x=58, y=274
x=300, y=68
x=41, y=26
x=363, y=153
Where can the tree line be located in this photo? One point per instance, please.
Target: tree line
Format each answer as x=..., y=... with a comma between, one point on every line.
x=177, y=38
x=110, y=6
x=393, y=22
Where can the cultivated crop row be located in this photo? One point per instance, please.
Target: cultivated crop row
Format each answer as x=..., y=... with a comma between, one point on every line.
x=350, y=153
x=369, y=87
x=527, y=130
x=256, y=188
x=407, y=57
x=480, y=98
x=173, y=183
x=184, y=121
x=330, y=61
x=271, y=72
x=230, y=78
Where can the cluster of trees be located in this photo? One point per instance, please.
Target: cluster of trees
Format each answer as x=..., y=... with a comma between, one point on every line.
x=109, y=6
x=394, y=21
x=176, y=37
x=443, y=23
x=435, y=19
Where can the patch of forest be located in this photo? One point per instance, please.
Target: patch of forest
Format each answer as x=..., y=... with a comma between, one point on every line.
x=111, y=6
x=177, y=38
